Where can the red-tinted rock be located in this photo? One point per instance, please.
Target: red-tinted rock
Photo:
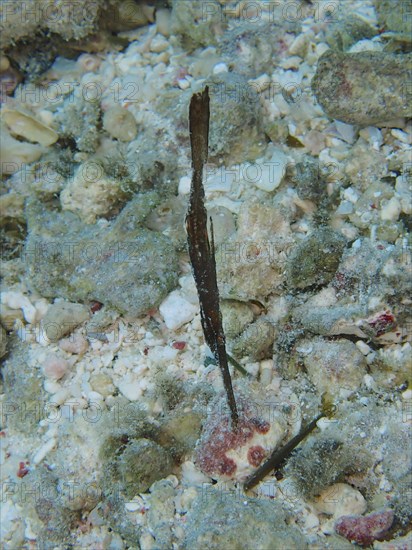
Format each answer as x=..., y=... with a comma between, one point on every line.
x=255, y=455
x=364, y=530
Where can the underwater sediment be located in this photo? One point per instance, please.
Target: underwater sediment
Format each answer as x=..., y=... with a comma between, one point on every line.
x=115, y=428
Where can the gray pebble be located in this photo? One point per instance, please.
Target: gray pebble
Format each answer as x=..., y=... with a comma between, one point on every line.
x=235, y=119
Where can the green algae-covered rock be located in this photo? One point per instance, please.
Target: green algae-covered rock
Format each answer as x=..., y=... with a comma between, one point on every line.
x=342, y=33
x=57, y=520
x=80, y=120
x=180, y=432
x=316, y=259
x=394, y=15
x=250, y=263
x=236, y=317
x=122, y=264
x=219, y=520
x=161, y=513
x=306, y=177
x=142, y=462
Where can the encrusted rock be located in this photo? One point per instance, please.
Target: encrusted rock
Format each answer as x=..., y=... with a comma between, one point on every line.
x=250, y=263
x=141, y=463
x=344, y=31
x=235, y=119
x=224, y=453
x=256, y=340
x=161, y=512
x=91, y=193
x=393, y=15
x=197, y=23
x=333, y=365
x=236, y=316
x=122, y=265
x=315, y=260
x=362, y=88
x=364, y=530
x=248, y=523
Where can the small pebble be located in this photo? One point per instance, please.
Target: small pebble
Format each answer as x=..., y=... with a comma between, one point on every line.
x=176, y=310
x=362, y=347
x=159, y=44
x=130, y=388
x=17, y=300
x=4, y=63
x=391, y=210
x=51, y=386
x=183, y=83
x=55, y=367
x=120, y=123
x=147, y=542
x=133, y=506
x=261, y=83
x=44, y=451
x=268, y=174
x=76, y=344
x=407, y=394
x=184, y=185
x=220, y=68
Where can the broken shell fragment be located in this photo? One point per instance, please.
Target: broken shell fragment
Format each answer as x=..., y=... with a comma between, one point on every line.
x=26, y=126
x=14, y=153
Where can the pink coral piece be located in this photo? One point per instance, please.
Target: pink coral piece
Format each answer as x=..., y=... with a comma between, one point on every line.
x=364, y=530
